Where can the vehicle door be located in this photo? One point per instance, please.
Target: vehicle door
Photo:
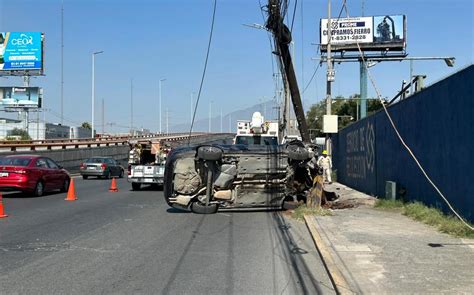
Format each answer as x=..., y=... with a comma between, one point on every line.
x=45, y=173
x=118, y=168
x=57, y=175
x=113, y=166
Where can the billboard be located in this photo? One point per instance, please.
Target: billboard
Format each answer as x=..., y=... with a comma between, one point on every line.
x=374, y=33
x=21, y=51
x=23, y=97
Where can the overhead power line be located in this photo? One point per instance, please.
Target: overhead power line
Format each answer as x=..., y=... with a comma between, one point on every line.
x=204, y=71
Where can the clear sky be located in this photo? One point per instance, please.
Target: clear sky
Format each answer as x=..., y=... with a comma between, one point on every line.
x=152, y=39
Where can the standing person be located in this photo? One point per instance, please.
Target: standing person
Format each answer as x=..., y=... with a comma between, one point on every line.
x=326, y=164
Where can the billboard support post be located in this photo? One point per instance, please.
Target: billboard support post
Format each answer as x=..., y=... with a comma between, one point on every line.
x=363, y=90
x=330, y=78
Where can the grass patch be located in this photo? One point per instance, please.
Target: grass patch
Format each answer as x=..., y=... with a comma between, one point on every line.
x=444, y=223
x=389, y=204
x=300, y=212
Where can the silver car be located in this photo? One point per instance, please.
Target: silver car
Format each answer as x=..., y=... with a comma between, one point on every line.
x=102, y=167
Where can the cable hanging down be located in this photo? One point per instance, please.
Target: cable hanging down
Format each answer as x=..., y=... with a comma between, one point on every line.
x=204, y=71
x=405, y=145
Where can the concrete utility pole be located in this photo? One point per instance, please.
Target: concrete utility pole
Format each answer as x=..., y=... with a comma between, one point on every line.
x=93, y=91
x=330, y=78
x=161, y=80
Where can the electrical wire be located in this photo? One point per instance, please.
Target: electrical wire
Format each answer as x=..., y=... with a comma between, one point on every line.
x=405, y=145
x=312, y=77
x=293, y=18
x=204, y=71
x=269, y=37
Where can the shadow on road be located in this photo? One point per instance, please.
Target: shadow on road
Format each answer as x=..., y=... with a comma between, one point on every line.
x=176, y=210
x=20, y=195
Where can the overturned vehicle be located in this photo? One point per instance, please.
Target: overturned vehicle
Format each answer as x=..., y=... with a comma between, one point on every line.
x=206, y=178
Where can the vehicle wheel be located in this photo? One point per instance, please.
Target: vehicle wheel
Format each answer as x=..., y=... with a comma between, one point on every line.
x=199, y=208
x=121, y=174
x=65, y=186
x=39, y=189
x=209, y=153
x=136, y=186
x=84, y=176
x=297, y=153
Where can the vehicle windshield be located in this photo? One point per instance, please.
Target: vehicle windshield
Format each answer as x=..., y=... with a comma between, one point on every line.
x=23, y=162
x=95, y=160
x=256, y=140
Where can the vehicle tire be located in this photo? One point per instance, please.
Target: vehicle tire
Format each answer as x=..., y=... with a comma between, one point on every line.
x=209, y=153
x=39, y=189
x=297, y=153
x=65, y=186
x=199, y=208
x=136, y=186
x=121, y=173
x=85, y=176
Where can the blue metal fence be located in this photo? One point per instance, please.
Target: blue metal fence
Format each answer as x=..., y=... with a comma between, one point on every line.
x=438, y=125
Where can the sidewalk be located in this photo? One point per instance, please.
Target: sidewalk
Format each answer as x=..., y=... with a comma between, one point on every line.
x=385, y=252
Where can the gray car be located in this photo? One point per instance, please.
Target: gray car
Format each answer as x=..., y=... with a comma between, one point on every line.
x=102, y=167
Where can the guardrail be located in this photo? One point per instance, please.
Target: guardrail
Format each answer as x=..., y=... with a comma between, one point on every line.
x=53, y=144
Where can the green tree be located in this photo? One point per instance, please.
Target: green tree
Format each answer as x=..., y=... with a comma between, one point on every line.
x=23, y=134
x=345, y=108
x=86, y=125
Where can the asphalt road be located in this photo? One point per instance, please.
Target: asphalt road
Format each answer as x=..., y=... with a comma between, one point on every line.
x=132, y=242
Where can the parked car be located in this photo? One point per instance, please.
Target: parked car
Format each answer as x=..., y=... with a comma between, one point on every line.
x=102, y=167
x=32, y=174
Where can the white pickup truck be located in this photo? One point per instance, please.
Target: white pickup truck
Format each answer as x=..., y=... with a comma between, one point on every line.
x=146, y=163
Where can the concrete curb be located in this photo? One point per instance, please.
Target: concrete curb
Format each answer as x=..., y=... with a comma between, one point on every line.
x=340, y=283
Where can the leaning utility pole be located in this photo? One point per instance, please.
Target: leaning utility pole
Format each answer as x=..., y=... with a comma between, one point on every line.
x=282, y=37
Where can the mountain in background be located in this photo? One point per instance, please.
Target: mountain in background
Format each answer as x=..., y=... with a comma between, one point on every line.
x=268, y=109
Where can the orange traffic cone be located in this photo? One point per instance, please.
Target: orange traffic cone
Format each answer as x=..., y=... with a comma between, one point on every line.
x=113, y=186
x=71, y=193
x=2, y=213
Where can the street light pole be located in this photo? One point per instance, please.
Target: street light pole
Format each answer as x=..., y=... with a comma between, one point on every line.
x=167, y=120
x=93, y=90
x=161, y=80
x=210, y=115
x=131, y=106
x=192, y=106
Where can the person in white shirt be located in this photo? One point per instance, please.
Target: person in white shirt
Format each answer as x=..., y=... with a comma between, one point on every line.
x=325, y=163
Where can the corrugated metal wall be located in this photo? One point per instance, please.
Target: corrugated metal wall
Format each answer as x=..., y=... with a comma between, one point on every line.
x=438, y=125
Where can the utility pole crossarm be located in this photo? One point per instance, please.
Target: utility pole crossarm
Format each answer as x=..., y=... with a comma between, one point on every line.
x=282, y=37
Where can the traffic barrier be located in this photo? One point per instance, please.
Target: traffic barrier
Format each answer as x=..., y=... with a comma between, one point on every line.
x=2, y=212
x=51, y=144
x=71, y=193
x=113, y=186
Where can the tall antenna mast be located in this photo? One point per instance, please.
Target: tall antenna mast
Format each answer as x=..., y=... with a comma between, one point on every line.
x=62, y=62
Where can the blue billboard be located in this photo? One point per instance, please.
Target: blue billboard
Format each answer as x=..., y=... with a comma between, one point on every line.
x=21, y=51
